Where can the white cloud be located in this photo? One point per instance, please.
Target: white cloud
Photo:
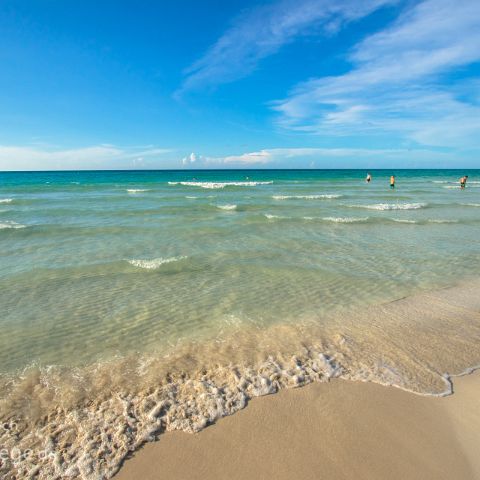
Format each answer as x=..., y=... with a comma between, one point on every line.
x=263, y=30
x=94, y=157
x=337, y=158
x=192, y=160
x=397, y=81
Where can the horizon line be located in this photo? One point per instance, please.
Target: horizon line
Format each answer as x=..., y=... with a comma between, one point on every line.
x=232, y=169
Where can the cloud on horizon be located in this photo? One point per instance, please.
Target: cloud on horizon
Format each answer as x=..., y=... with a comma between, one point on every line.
x=335, y=158
x=99, y=157
x=110, y=157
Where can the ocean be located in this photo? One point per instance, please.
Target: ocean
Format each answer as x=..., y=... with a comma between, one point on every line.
x=135, y=302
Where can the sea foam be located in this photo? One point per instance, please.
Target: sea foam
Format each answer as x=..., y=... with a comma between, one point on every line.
x=6, y=200
x=97, y=415
x=442, y=220
x=137, y=190
x=154, y=263
x=345, y=219
x=7, y=225
x=403, y=220
x=227, y=207
x=393, y=206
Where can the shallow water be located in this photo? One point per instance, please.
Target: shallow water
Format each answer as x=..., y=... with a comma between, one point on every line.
x=129, y=290
x=100, y=264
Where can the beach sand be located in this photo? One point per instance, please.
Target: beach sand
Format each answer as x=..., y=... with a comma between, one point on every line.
x=336, y=430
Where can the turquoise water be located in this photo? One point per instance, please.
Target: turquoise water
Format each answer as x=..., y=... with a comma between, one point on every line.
x=99, y=264
x=138, y=302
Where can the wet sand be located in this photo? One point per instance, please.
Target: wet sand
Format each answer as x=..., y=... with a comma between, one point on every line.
x=336, y=430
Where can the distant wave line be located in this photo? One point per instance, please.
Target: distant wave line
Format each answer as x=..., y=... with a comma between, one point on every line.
x=213, y=185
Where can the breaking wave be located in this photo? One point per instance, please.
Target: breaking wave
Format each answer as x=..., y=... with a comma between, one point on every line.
x=227, y=207
x=403, y=220
x=345, y=219
x=155, y=263
x=8, y=224
x=392, y=206
x=305, y=197
x=6, y=200
x=213, y=185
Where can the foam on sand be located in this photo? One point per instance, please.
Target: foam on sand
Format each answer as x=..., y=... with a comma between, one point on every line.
x=215, y=185
x=155, y=263
x=82, y=422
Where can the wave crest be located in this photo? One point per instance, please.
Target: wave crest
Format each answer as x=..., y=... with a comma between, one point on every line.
x=345, y=219
x=213, y=185
x=154, y=263
x=227, y=207
x=305, y=197
x=392, y=206
x=8, y=224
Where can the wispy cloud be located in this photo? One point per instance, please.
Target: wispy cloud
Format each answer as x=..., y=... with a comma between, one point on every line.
x=93, y=157
x=262, y=31
x=398, y=81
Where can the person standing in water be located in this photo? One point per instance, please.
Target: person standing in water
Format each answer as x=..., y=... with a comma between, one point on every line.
x=463, y=181
x=392, y=181
x=369, y=178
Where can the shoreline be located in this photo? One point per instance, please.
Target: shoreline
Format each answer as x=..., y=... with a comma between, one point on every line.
x=110, y=410
x=345, y=430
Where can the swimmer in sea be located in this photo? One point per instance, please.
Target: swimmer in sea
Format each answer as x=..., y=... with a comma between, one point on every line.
x=463, y=181
x=392, y=181
x=369, y=178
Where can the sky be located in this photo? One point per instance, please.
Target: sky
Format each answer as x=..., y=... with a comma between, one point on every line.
x=122, y=84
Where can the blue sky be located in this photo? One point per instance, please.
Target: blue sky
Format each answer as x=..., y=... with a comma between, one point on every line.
x=290, y=83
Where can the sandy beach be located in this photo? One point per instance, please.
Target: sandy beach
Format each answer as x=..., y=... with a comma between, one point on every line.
x=347, y=430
